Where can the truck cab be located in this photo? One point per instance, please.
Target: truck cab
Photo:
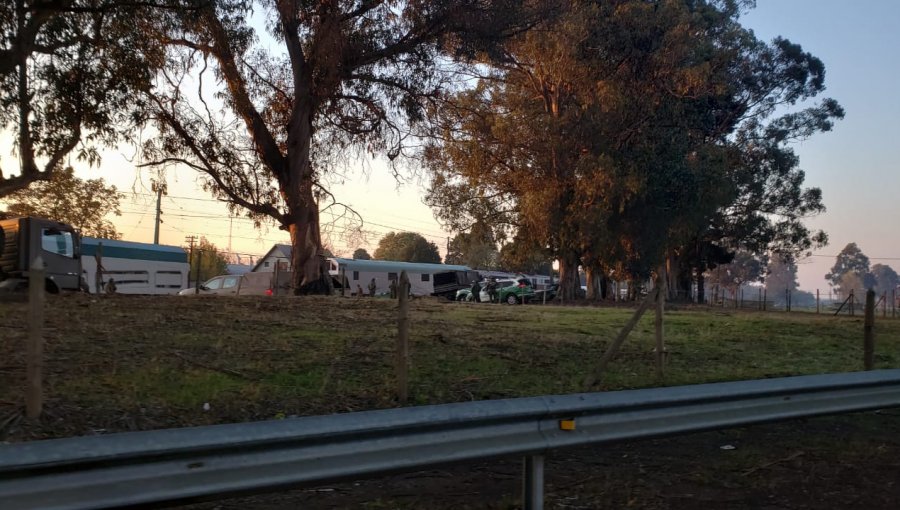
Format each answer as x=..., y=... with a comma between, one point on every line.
x=58, y=244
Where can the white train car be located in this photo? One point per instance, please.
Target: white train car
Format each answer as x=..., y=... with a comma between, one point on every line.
x=424, y=279
x=137, y=268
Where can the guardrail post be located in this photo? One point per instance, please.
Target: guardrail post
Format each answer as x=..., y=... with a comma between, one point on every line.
x=533, y=487
x=34, y=395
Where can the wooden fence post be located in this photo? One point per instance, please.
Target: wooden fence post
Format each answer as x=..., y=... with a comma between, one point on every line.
x=817, y=301
x=343, y=280
x=852, y=303
x=894, y=303
x=869, y=332
x=611, y=351
x=402, y=361
x=765, y=297
x=34, y=399
x=660, y=309
x=884, y=305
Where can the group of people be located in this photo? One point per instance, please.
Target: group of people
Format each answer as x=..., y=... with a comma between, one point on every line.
x=490, y=286
x=373, y=288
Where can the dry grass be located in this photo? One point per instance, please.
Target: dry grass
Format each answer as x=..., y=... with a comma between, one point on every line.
x=130, y=363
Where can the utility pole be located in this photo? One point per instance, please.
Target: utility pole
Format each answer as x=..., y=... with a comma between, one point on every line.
x=190, y=240
x=160, y=189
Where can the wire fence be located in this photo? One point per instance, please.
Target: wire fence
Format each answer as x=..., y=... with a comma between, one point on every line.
x=849, y=302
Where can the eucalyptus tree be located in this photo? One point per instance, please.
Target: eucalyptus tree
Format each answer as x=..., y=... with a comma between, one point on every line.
x=632, y=132
x=268, y=98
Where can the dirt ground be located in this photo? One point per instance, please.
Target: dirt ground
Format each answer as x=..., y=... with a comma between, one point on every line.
x=136, y=363
x=843, y=463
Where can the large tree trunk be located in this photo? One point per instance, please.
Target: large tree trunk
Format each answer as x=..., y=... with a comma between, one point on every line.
x=592, y=281
x=701, y=284
x=310, y=273
x=569, y=285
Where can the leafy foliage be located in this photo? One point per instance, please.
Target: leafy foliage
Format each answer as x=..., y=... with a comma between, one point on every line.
x=210, y=261
x=886, y=279
x=745, y=268
x=84, y=204
x=361, y=254
x=476, y=249
x=781, y=275
x=850, y=261
x=71, y=72
x=631, y=131
x=350, y=78
x=407, y=247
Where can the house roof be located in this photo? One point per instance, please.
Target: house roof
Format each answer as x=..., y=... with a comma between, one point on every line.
x=278, y=250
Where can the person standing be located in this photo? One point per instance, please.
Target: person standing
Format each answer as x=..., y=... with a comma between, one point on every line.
x=372, y=287
x=476, y=292
x=491, y=288
x=393, y=288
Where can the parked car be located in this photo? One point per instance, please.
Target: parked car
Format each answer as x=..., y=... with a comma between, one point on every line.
x=508, y=291
x=518, y=291
x=547, y=294
x=249, y=284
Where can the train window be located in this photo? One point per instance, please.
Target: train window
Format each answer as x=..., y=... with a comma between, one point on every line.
x=356, y=275
x=392, y=276
x=426, y=277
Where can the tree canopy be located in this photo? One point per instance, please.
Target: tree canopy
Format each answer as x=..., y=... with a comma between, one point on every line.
x=84, y=204
x=629, y=132
x=407, y=247
x=210, y=261
x=361, y=254
x=850, y=261
x=71, y=74
x=325, y=81
x=476, y=249
x=886, y=279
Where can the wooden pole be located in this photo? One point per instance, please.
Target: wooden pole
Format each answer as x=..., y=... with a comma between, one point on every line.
x=765, y=297
x=276, y=275
x=852, y=302
x=35, y=350
x=869, y=332
x=98, y=274
x=817, y=301
x=197, y=276
x=894, y=303
x=343, y=280
x=660, y=310
x=884, y=305
x=611, y=351
x=759, y=300
x=403, y=340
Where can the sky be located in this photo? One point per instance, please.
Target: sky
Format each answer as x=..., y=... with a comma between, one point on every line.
x=855, y=165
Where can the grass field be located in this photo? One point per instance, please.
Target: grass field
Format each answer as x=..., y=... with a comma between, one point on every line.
x=127, y=363
x=137, y=363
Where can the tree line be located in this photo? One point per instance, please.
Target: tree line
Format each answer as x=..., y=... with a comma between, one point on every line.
x=619, y=136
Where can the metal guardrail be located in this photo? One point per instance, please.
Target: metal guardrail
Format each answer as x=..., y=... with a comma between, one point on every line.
x=184, y=465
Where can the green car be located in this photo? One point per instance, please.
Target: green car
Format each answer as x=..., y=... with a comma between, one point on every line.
x=515, y=292
x=508, y=291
